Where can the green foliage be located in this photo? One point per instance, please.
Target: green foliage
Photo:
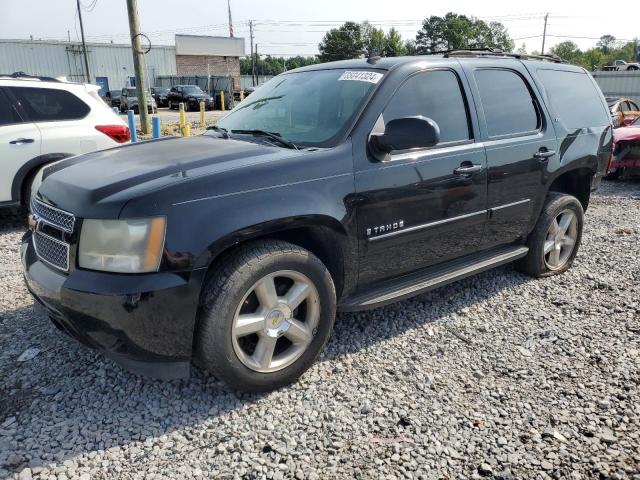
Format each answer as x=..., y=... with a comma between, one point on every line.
x=353, y=40
x=606, y=51
x=393, y=46
x=454, y=31
x=275, y=65
x=346, y=41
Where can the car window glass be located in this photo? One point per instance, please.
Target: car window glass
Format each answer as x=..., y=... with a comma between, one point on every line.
x=508, y=106
x=8, y=114
x=48, y=104
x=574, y=98
x=435, y=95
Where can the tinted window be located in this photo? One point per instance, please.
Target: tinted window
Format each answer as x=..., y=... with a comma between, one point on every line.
x=435, y=95
x=508, y=106
x=574, y=98
x=8, y=113
x=312, y=108
x=46, y=104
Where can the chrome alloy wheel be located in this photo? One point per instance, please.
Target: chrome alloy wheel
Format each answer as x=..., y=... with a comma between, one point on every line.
x=276, y=321
x=560, y=240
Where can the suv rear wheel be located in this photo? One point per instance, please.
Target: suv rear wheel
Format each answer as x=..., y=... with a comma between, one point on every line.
x=265, y=316
x=554, y=242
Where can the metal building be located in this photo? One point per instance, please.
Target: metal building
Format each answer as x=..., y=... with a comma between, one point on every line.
x=619, y=84
x=110, y=64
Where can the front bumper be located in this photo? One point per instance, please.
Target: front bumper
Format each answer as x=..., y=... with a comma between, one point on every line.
x=143, y=322
x=195, y=104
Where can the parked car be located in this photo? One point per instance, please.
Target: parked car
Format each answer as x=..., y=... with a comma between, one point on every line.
x=112, y=98
x=190, y=95
x=621, y=66
x=345, y=185
x=43, y=120
x=160, y=95
x=129, y=101
x=623, y=110
x=625, y=160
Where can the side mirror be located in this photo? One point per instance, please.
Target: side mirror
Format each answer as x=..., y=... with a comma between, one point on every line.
x=407, y=133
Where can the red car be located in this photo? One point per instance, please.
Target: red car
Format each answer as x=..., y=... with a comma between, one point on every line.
x=625, y=159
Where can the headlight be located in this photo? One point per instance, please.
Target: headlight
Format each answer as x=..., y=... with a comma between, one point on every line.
x=125, y=246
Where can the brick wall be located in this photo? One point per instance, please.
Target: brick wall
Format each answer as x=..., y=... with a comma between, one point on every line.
x=218, y=66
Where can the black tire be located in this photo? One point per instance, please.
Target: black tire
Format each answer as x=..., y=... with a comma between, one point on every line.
x=615, y=175
x=221, y=298
x=534, y=263
x=169, y=105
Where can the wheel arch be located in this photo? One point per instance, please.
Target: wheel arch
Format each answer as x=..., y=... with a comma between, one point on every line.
x=576, y=182
x=322, y=235
x=30, y=168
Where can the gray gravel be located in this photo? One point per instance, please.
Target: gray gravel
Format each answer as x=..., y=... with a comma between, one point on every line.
x=498, y=375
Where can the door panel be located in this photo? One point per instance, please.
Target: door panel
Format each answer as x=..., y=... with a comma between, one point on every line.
x=519, y=141
x=416, y=212
x=19, y=143
x=419, y=208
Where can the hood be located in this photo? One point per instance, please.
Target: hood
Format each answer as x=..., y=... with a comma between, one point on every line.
x=97, y=185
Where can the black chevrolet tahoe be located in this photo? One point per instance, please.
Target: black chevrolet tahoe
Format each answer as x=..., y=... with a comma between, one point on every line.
x=340, y=186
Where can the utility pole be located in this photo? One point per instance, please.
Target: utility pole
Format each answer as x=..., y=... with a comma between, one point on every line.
x=84, y=45
x=253, y=64
x=257, y=62
x=230, y=22
x=134, y=30
x=544, y=33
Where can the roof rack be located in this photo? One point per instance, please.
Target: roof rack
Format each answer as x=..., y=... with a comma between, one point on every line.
x=26, y=76
x=495, y=52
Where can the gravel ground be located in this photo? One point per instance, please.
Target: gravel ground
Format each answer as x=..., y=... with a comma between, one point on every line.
x=498, y=375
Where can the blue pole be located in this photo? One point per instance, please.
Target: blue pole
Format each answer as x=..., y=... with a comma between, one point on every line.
x=155, y=126
x=132, y=126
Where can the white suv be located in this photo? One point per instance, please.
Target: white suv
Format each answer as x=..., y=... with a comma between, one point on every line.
x=43, y=120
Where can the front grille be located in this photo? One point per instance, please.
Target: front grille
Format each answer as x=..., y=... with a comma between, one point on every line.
x=52, y=251
x=53, y=216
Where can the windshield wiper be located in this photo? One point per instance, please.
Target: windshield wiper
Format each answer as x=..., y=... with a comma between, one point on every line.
x=223, y=131
x=272, y=135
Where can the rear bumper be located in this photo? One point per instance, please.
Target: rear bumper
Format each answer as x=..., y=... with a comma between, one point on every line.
x=143, y=322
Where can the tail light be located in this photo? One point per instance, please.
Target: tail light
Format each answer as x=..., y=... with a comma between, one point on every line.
x=118, y=133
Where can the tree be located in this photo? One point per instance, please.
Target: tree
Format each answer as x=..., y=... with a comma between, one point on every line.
x=592, y=59
x=523, y=49
x=346, y=41
x=568, y=51
x=606, y=43
x=374, y=39
x=393, y=46
x=454, y=31
x=410, y=47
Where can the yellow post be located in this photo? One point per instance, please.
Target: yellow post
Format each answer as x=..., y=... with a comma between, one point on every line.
x=241, y=95
x=202, y=114
x=222, y=100
x=186, y=130
x=182, y=120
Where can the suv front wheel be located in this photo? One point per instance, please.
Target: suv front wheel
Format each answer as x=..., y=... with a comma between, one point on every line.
x=553, y=243
x=265, y=316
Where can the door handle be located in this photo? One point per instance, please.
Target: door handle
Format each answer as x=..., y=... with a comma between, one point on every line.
x=19, y=141
x=544, y=155
x=467, y=168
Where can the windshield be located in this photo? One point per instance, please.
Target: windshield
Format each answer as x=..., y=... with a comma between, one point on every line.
x=161, y=90
x=192, y=89
x=307, y=108
x=131, y=92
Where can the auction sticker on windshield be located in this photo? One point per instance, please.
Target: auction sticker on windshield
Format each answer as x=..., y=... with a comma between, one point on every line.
x=363, y=76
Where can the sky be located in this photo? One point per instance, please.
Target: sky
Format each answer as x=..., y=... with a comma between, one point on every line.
x=292, y=27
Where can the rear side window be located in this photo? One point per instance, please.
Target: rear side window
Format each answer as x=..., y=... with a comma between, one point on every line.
x=435, y=95
x=48, y=104
x=574, y=98
x=8, y=114
x=508, y=106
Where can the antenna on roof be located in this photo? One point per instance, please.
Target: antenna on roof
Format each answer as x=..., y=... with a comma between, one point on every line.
x=373, y=57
